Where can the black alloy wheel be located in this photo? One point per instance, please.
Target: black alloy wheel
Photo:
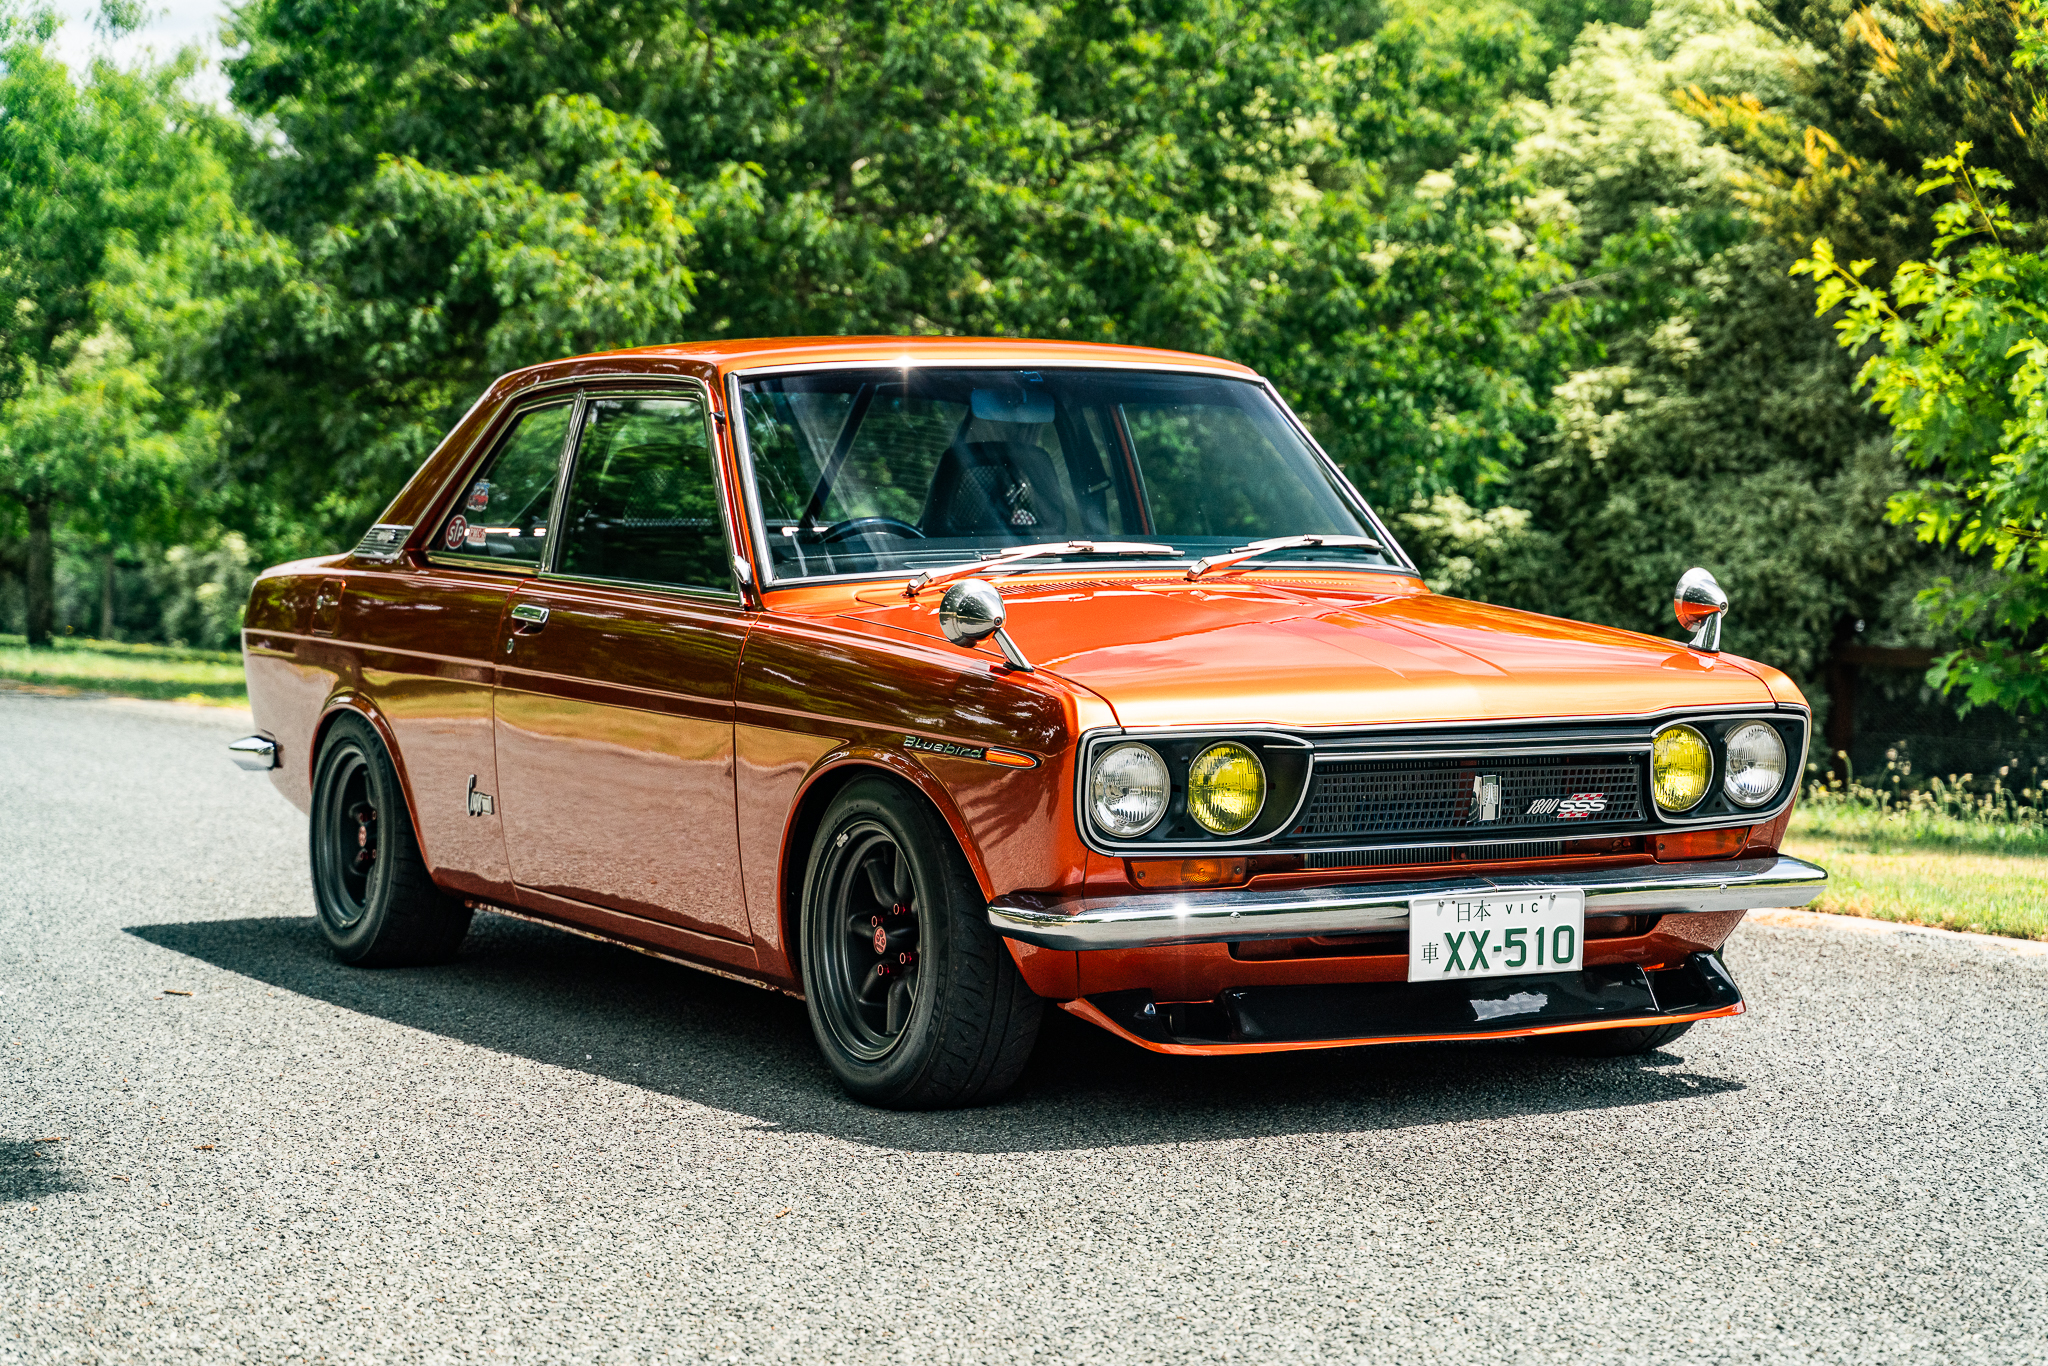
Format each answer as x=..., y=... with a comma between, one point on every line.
x=873, y=966
x=345, y=836
x=376, y=904
x=913, y=997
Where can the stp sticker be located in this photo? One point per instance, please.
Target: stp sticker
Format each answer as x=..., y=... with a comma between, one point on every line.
x=480, y=496
x=458, y=531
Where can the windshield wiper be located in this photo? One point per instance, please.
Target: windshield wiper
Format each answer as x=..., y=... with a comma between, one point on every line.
x=1257, y=548
x=934, y=578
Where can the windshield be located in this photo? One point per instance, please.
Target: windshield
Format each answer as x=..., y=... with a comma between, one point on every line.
x=900, y=470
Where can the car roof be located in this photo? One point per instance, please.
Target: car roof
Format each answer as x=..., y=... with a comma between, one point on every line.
x=770, y=352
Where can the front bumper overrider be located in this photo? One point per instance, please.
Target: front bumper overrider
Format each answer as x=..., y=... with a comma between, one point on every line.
x=1158, y=920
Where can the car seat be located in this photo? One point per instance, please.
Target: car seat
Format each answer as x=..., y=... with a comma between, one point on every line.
x=994, y=488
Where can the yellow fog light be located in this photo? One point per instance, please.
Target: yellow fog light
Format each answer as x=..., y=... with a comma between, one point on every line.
x=1226, y=788
x=1680, y=766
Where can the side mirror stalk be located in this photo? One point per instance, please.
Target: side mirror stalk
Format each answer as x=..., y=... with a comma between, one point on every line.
x=971, y=612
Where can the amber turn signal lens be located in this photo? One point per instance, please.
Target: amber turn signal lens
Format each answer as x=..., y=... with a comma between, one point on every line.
x=1680, y=767
x=1226, y=788
x=1187, y=872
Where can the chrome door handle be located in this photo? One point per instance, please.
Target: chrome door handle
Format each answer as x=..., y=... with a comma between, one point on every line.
x=530, y=614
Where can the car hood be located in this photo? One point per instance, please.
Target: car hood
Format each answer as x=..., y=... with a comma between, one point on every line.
x=1165, y=652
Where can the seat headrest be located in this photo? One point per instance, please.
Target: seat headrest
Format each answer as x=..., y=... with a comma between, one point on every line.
x=994, y=488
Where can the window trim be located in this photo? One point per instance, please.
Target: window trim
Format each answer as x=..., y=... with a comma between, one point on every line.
x=585, y=397
x=757, y=526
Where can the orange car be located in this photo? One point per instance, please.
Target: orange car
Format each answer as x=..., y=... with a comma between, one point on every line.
x=935, y=679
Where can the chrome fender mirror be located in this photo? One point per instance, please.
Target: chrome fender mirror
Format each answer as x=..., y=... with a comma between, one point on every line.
x=1700, y=605
x=971, y=612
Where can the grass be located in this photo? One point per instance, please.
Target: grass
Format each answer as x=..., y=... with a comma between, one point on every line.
x=1955, y=854
x=169, y=673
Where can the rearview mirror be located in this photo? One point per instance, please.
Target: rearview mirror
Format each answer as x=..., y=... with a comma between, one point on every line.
x=1028, y=406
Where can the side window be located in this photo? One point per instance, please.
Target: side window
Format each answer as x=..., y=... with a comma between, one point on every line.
x=504, y=512
x=643, y=502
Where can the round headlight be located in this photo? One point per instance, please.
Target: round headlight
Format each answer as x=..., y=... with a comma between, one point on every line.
x=1127, y=790
x=1756, y=764
x=1226, y=788
x=1680, y=765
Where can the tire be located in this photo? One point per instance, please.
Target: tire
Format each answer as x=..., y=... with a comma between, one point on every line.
x=913, y=997
x=375, y=902
x=1614, y=1043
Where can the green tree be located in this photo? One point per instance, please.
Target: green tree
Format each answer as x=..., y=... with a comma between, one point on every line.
x=108, y=178
x=1957, y=362
x=1714, y=422
x=1325, y=198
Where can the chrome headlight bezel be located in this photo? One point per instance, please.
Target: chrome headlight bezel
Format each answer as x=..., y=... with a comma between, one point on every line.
x=1284, y=757
x=1793, y=727
x=1098, y=811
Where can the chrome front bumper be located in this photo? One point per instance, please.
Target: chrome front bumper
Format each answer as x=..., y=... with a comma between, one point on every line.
x=1159, y=919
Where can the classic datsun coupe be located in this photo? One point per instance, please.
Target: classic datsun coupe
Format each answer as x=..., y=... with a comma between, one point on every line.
x=934, y=679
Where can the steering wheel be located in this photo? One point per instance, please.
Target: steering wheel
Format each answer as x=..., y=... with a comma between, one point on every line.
x=862, y=526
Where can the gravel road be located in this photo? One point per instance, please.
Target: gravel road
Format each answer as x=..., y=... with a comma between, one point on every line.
x=554, y=1150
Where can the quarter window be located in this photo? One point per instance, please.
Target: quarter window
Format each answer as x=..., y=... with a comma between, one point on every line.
x=643, y=503
x=503, y=513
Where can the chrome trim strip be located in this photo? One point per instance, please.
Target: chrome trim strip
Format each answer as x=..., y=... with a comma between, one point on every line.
x=1023, y=360
x=1359, y=756
x=256, y=753
x=1159, y=920
x=723, y=597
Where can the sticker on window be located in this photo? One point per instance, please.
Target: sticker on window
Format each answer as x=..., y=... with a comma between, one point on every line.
x=458, y=531
x=480, y=496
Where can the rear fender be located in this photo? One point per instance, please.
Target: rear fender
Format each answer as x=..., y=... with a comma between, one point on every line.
x=351, y=703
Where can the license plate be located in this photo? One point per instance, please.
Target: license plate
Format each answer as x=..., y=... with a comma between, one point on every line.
x=1495, y=934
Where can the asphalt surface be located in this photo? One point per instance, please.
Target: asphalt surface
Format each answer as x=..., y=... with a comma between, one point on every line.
x=554, y=1150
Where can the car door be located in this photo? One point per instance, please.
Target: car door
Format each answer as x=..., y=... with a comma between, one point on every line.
x=614, y=706
x=428, y=641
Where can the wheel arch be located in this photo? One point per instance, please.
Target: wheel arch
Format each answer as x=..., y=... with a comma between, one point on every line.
x=827, y=779
x=355, y=704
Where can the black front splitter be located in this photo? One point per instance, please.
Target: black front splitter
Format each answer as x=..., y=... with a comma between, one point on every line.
x=1364, y=1011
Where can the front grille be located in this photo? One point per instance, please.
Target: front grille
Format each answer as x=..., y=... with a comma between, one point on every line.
x=1434, y=853
x=1368, y=799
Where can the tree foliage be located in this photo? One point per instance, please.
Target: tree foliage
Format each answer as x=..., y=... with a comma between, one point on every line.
x=106, y=187
x=472, y=187
x=1521, y=266
x=1957, y=363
